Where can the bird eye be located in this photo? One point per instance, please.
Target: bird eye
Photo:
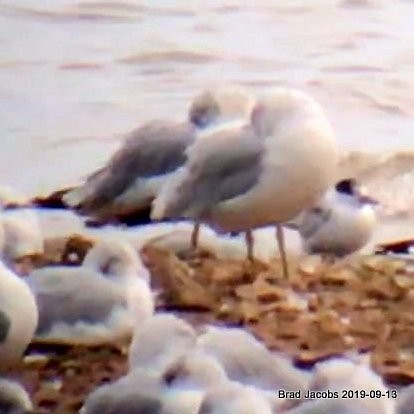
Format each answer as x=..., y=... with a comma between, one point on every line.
x=107, y=267
x=347, y=186
x=171, y=375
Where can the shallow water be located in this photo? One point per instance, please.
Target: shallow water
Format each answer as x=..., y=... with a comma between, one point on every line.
x=74, y=75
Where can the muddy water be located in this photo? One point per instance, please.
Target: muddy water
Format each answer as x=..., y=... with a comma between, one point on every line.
x=74, y=75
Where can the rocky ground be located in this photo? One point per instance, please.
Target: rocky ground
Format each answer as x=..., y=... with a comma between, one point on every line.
x=323, y=310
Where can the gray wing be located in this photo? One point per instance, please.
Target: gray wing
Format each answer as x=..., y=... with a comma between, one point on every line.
x=154, y=149
x=136, y=394
x=230, y=170
x=87, y=298
x=134, y=403
x=312, y=220
x=5, y=325
x=131, y=403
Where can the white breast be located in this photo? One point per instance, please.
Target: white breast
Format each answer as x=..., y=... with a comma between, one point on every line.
x=299, y=164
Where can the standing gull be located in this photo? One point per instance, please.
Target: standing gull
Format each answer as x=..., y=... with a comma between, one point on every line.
x=342, y=223
x=237, y=178
x=97, y=302
x=134, y=175
x=18, y=316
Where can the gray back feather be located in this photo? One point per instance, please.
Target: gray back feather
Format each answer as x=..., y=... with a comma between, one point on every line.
x=222, y=174
x=312, y=220
x=127, y=403
x=136, y=393
x=156, y=148
x=87, y=297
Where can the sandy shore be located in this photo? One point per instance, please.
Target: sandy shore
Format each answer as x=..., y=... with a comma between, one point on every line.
x=361, y=304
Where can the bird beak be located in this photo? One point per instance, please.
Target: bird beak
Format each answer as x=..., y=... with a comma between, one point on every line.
x=364, y=199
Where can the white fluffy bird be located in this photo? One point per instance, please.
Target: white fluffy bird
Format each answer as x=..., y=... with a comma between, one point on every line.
x=342, y=223
x=100, y=301
x=405, y=401
x=234, y=398
x=20, y=231
x=150, y=154
x=339, y=374
x=137, y=393
x=14, y=398
x=238, y=178
x=333, y=406
x=22, y=234
x=249, y=361
x=178, y=388
x=18, y=316
x=159, y=341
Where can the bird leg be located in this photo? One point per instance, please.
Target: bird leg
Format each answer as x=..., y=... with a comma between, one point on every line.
x=194, y=236
x=249, y=243
x=281, y=242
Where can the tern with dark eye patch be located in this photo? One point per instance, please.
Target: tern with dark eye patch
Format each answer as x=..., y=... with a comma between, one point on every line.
x=340, y=224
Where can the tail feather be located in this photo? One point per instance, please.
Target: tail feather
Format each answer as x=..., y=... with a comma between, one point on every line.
x=158, y=210
x=87, y=194
x=54, y=200
x=76, y=196
x=172, y=198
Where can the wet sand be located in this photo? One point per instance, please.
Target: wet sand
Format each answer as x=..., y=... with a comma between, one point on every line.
x=363, y=304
